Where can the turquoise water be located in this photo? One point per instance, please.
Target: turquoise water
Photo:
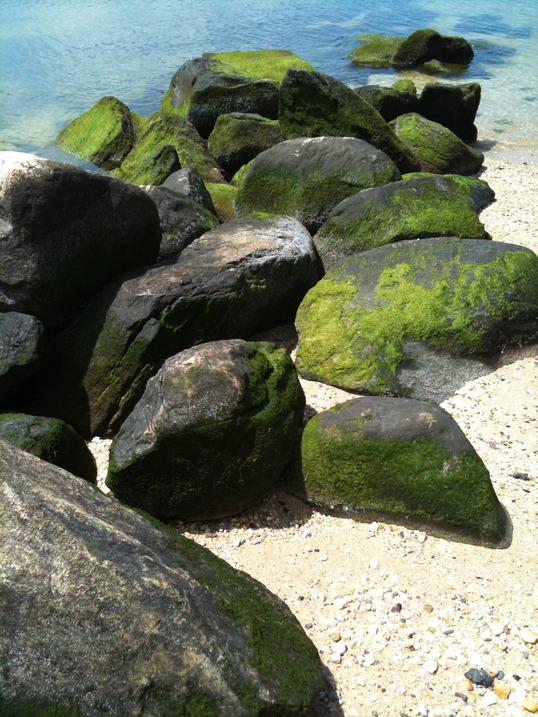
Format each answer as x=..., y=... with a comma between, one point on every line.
x=59, y=57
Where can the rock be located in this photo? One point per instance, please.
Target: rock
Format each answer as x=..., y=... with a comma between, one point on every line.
x=168, y=130
x=272, y=64
x=478, y=191
x=425, y=45
x=203, y=88
x=155, y=169
x=431, y=666
x=390, y=102
x=502, y=690
x=306, y=177
x=453, y=106
x=212, y=432
x=103, y=135
x=479, y=677
x=316, y=105
x=182, y=220
x=190, y=182
x=20, y=348
x=237, y=138
x=402, y=460
x=410, y=209
x=135, y=618
x=438, y=148
x=377, y=51
x=529, y=636
x=95, y=227
x=453, y=298
x=51, y=440
x=529, y=705
x=223, y=198
x=237, y=279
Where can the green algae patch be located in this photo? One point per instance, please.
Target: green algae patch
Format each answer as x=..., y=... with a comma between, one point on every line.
x=353, y=323
x=239, y=176
x=377, y=51
x=223, y=196
x=23, y=708
x=270, y=64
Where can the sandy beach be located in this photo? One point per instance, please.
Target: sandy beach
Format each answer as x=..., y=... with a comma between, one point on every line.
x=400, y=616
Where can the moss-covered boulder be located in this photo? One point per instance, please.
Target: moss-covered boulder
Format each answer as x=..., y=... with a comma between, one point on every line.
x=306, y=177
x=103, y=135
x=51, y=440
x=223, y=198
x=171, y=131
x=156, y=168
x=478, y=191
x=135, y=618
x=239, y=176
x=272, y=64
x=360, y=326
x=21, y=338
x=439, y=150
x=237, y=138
x=400, y=460
x=390, y=102
x=376, y=51
x=212, y=432
x=425, y=45
x=411, y=209
x=453, y=106
x=316, y=105
x=204, y=88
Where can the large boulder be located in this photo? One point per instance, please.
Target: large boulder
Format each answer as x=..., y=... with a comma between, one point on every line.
x=410, y=209
x=204, y=88
x=425, y=45
x=156, y=168
x=399, y=459
x=390, y=102
x=316, y=105
x=453, y=106
x=20, y=347
x=272, y=64
x=104, y=612
x=374, y=321
x=438, y=148
x=376, y=51
x=182, y=219
x=306, y=177
x=212, y=432
x=51, y=440
x=65, y=233
x=235, y=280
x=190, y=182
x=478, y=191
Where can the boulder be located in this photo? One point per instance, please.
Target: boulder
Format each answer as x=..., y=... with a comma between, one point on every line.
x=65, y=233
x=103, y=135
x=410, y=209
x=400, y=460
x=453, y=106
x=360, y=326
x=182, y=219
x=223, y=198
x=438, y=149
x=212, y=432
x=478, y=191
x=203, y=88
x=390, y=102
x=168, y=130
x=105, y=612
x=316, y=105
x=242, y=277
x=20, y=349
x=271, y=64
x=51, y=440
x=237, y=138
x=306, y=177
x=425, y=45
x=190, y=182
x=156, y=168
x=376, y=50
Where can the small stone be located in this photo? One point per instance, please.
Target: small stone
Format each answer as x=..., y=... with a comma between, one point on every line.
x=431, y=666
x=502, y=690
x=397, y=607
x=488, y=699
x=428, y=608
x=529, y=636
x=521, y=476
x=338, y=648
x=529, y=705
x=461, y=696
x=337, y=659
x=497, y=628
x=479, y=677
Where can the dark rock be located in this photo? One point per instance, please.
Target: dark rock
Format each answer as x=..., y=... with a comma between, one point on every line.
x=133, y=617
x=212, y=433
x=51, y=440
x=377, y=51
x=65, y=233
x=190, y=182
x=479, y=677
x=453, y=106
x=182, y=220
x=425, y=45
x=242, y=277
x=20, y=344
x=156, y=168
x=389, y=101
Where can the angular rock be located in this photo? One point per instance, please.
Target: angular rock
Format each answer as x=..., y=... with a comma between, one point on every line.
x=212, y=432
x=453, y=106
x=479, y=192
x=135, y=618
x=457, y=298
x=410, y=209
x=235, y=280
x=202, y=89
x=182, y=220
x=305, y=178
x=316, y=105
x=190, y=182
x=399, y=459
x=425, y=45
x=272, y=64
x=65, y=233
x=438, y=148
x=390, y=102
x=51, y=440
x=20, y=348
x=156, y=168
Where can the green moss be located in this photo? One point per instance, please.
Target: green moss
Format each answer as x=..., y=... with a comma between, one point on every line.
x=237, y=179
x=193, y=705
x=272, y=64
x=405, y=86
x=377, y=51
x=21, y=708
x=223, y=196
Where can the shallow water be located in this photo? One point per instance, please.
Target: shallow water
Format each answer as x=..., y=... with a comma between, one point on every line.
x=59, y=57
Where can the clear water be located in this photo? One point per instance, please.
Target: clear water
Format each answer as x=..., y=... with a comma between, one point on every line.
x=59, y=57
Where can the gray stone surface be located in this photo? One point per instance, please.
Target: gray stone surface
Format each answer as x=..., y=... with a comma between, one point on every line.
x=20, y=342
x=189, y=182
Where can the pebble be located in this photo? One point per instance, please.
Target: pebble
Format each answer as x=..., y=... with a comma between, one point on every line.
x=502, y=690
x=529, y=705
x=431, y=666
x=529, y=636
x=489, y=698
x=479, y=677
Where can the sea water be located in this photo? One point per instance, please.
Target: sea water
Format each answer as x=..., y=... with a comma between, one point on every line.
x=59, y=57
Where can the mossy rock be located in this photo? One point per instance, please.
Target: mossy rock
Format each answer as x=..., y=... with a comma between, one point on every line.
x=239, y=176
x=438, y=149
x=402, y=461
x=388, y=101
x=223, y=196
x=479, y=192
x=453, y=106
x=158, y=131
x=272, y=64
x=425, y=45
x=103, y=135
x=462, y=298
x=411, y=209
x=154, y=170
x=377, y=51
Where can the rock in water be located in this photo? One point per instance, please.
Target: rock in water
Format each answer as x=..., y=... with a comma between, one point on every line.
x=105, y=613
